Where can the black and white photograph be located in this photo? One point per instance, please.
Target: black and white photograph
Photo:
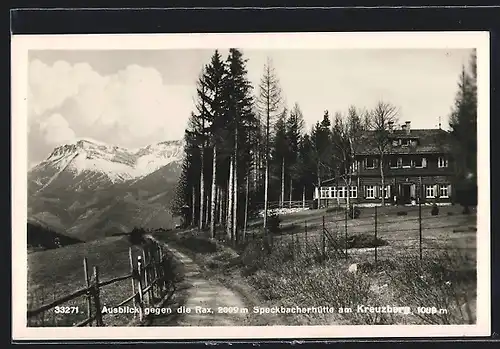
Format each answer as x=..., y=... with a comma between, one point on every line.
x=264, y=185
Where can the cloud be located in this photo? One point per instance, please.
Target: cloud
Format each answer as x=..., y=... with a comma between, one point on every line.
x=131, y=108
x=55, y=130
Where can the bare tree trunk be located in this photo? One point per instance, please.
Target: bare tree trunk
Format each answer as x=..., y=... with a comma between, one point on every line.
x=193, y=206
x=291, y=188
x=282, y=203
x=235, y=187
x=214, y=192
x=202, y=190
x=304, y=198
x=348, y=194
x=382, y=179
x=222, y=203
x=319, y=188
x=246, y=211
x=229, y=221
x=266, y=192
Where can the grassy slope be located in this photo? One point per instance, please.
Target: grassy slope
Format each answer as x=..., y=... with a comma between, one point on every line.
x=55, y=273
x=280, y=279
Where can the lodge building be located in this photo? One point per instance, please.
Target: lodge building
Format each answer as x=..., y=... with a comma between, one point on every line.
x=417, y=168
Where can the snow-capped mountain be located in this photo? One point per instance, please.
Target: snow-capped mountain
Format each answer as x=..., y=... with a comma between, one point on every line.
x=89, y=189
x=117, y=163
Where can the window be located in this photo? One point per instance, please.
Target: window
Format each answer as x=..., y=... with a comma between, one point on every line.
x=406, y=162
x=442, y=162
x=333, y=192
x=354, y=166
x=420, y=162
x=353, y=192
x=400, y=162
x=325, y=192
x=393, y=162
x=429, y=191
x=370, y=162
x=443, y=190
x=341, y=192
x=395, y=143
x=370, y=192
x=386, y=191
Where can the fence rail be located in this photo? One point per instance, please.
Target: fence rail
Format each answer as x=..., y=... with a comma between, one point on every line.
x=148, y=282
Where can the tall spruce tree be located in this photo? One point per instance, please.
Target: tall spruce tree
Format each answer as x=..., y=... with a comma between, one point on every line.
x=322, y=150
x=280, y=152
x=294, y=131
x=463, y=124
x=242, y=122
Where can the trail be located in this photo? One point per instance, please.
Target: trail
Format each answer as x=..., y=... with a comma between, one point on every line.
x=206, y=294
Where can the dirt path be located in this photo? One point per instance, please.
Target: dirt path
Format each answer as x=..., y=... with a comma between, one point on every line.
x=206, y=296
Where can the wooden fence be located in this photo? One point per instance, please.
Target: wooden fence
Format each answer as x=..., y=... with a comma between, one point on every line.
x=272, y=205
x=149, y=282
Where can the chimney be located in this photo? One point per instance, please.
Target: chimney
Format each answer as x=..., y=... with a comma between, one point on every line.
x=391, y=126
x=408, y=123
x=403, y=127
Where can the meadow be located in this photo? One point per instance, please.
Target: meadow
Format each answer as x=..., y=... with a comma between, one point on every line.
x=58, y=272
x=293, y=269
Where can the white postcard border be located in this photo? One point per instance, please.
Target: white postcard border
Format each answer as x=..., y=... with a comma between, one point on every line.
x=21, y=44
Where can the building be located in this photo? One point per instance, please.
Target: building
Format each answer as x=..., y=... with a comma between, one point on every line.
x=417, y=167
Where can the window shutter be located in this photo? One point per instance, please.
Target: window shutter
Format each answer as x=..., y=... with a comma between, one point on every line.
x=375, y=191
x=449, y=190
x=365, y=191
x=389, y=191
x=424, y=162
x=436, y=190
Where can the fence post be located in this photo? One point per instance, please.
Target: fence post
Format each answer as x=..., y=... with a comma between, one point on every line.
x=305, y=231
x=154, y=273
x=132, y=271
x=141, y=285
x=161, y=284
x=146, y=276
x=420, y=227
x=87, y=281
x=345, y=226
x=97, y=299
x=376, y=248
x=323, y=244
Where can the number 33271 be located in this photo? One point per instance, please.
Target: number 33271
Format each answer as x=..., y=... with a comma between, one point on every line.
x=66, y=310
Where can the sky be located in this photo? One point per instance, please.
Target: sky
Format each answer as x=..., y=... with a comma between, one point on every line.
x=132, y=98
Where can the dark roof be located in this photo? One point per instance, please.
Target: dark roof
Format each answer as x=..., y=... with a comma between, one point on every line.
x=429, y=141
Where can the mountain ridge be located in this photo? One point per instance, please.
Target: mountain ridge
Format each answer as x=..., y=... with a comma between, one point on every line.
x=88, y=189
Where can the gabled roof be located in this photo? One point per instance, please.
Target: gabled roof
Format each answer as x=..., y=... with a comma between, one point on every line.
x=429, y=141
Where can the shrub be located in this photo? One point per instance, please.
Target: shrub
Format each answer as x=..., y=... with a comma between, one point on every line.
x=354, y=212
x=435, y=210
x=466, y=210
x=402, y=213
x=137, y=236
x=450, y=213
x=273, y=223
x=363, y=241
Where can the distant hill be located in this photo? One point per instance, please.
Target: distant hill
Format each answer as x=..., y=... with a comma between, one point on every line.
x=90, y=190
x=41, y=237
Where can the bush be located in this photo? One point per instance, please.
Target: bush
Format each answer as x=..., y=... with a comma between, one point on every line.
x=402, y=213
x=354, y=212
x=363, y=241
x=137, y=236
x=466, y=210
x=435, y=210
x=273, y=223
